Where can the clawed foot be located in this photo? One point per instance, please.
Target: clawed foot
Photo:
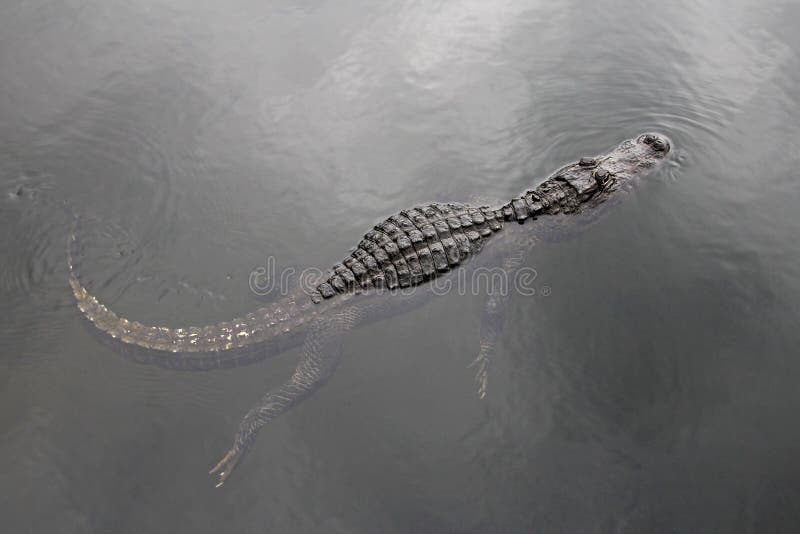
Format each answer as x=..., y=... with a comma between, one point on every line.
x=225, y=466
x=482, y=375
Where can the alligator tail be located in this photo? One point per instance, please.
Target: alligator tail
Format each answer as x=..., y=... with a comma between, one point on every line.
x=264, y=324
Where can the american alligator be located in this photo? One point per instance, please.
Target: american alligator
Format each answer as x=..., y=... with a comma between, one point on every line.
x=406, y=250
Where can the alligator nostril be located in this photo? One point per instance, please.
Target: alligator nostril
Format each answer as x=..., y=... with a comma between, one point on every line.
x=648, y=139
x=659, y=144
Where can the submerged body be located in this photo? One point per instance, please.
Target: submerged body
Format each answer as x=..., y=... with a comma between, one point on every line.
x=406, y=250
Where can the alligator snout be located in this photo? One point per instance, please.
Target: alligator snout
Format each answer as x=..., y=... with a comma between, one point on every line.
x=658, y=142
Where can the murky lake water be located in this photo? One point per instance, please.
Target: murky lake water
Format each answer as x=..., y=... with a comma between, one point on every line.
x=654, y=390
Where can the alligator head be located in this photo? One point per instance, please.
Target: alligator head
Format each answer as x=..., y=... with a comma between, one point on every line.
x=598, y=178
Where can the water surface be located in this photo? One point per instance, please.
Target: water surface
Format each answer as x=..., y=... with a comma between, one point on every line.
x=653, y=390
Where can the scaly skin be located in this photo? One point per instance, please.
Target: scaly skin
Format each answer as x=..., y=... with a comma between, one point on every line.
x=407, y=249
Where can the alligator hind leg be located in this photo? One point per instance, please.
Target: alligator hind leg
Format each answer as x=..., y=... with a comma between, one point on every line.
x=321, y=353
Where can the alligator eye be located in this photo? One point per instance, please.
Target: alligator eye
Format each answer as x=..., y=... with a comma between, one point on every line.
x=587, y=162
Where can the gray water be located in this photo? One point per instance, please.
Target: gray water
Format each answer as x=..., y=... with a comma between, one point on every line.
x=653, y=387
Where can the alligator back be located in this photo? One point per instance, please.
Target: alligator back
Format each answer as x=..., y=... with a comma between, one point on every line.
x=412, y=247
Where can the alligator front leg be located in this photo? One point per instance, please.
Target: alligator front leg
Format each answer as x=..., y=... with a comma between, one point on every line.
x=493, y=320
x=321, y=353
x=491, y=325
